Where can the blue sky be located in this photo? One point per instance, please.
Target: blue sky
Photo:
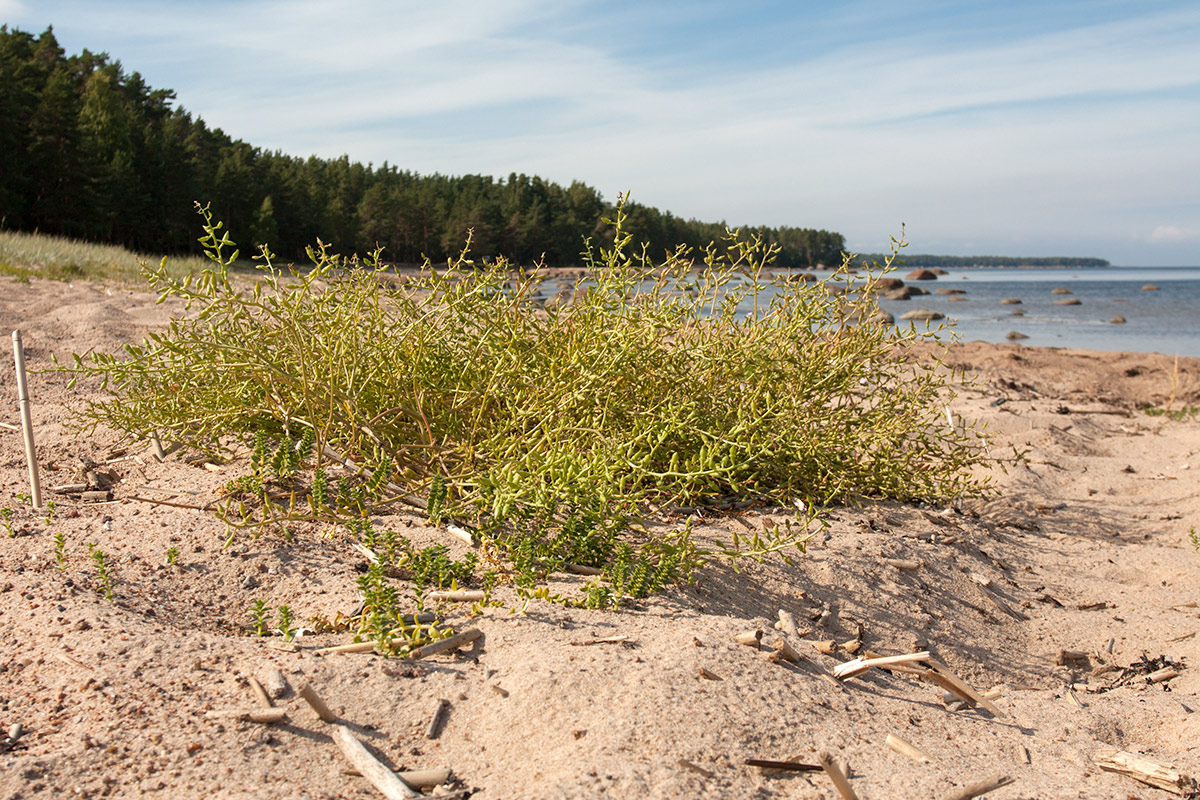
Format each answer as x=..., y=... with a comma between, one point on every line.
x=1022, y=128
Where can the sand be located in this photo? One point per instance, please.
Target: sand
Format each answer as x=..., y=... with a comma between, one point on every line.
x=1084, y=548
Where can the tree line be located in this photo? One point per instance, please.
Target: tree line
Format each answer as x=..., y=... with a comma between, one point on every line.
x=91, y=152
x=924, y=260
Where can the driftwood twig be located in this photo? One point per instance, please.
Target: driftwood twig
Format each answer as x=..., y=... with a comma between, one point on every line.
x=389, y=784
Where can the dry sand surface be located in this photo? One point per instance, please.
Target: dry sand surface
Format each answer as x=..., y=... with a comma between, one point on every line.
x=1084, y=548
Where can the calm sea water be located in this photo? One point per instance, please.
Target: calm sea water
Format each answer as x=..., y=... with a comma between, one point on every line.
x=1163, y=321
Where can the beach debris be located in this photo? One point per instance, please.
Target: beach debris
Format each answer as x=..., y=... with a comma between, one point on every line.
x=860, y=665
x=1015, y=336
x=389, y=784
x=1071, y=658
x=275, y=683
x=922, y=314
x=826, y=646
x=458, y=596
x=782, y=766
x=787, y=624
x=982, y=787
x=907, y=750
x=904, y=563
x=259, y=692
x=439, y=716
x=461, y=533
x=265, y=716
x=35, y=485
x=621, y=640
x=417, y=778
x=318, y=705
x=782, y=651
x=708, y=675
x=750, y=639
x=836, y=776
x=1144, y=770
x=446, y=645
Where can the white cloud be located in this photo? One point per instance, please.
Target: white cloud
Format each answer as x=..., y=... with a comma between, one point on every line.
x=1171, y=234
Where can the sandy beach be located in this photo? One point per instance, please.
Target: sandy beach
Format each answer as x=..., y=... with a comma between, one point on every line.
x=1054, y=598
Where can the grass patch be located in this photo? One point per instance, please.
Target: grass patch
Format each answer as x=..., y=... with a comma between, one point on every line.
x=33, y=255
x=552, y=429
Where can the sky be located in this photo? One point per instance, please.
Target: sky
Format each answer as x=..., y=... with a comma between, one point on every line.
x=1028, y=128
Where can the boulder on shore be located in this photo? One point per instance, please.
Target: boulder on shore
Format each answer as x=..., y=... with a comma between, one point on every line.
x=903, y=293
x=922, y=314
x=922, y=275
x=886, y=284
x=1014, y=336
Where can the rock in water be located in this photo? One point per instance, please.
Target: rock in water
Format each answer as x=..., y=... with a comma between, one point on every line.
x=1010, y=301
x=1070, y=301
x=1149, y=287
x=1014, y=336
x=1117, y=320
x=1060, y=290
x=922, y=275
x=923, y=314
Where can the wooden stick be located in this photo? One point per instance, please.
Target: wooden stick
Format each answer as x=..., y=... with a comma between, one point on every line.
x=460, y=596
x=435, y=722
x=445, y=645
x=156, y=444
x=461, y=533
x=784, y=651
x=416, y=778
x=835, y=774
x=1142, y=769
x=1164, y=674
x=903, y=563
x=959, y=686
x=169, y=503
x=35, y=485
x=860, y=665
x=786, y=766
x=389, y=784
x=982, y=788
x=70, y=488
x=787, y=624
x=905, y=749
x=259, y=692
x=582, y=569
x=318, y=705
x=750, y=638
x=8, y=427
x=263, y=715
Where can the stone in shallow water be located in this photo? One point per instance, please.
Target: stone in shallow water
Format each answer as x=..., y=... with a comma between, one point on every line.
x=1070, y=301
x=1117, y=320
x=924, y=314
x=1014, y=336
x=1060, y=290
x=1010, y=301
x=1149, y=287
x=921, y=275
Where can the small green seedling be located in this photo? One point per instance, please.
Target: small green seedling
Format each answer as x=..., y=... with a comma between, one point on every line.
x=1195, y=538
x=259, y=613
x=103, y=576
x=60, y=551
x=285, y=623
x=172, y=556
x=49, y=512
x=6, y=514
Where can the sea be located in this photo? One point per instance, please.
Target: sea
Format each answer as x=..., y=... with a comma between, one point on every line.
x=1160, y=306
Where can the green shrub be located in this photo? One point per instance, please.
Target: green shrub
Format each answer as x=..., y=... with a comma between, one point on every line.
x=697, y=381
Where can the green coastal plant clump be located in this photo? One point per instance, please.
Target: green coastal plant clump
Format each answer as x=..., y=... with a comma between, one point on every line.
x=552, y=429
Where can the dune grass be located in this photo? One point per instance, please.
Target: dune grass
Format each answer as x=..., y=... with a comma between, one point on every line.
x=35, y=255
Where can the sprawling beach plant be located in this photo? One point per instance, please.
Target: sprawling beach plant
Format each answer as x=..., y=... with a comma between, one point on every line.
x=701, y=380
